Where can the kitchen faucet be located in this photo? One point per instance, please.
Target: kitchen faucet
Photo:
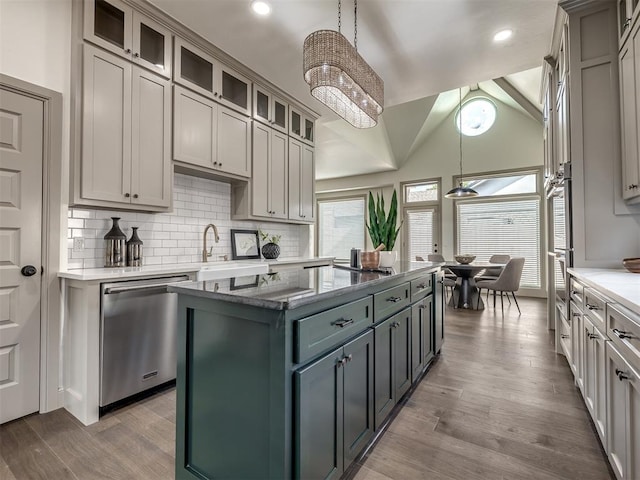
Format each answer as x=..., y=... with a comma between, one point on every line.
x=206, y=254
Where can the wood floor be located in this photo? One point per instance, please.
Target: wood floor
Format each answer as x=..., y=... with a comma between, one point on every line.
x=498, y=404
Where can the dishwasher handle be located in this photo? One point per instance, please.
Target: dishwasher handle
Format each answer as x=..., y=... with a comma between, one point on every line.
x=151, y=286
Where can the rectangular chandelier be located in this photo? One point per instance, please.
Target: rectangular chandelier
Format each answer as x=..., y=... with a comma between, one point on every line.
x=341, y=79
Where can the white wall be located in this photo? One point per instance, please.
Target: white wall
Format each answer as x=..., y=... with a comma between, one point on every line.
x=514, y=141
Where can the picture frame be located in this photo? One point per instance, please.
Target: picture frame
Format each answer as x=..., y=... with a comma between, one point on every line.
x=247, y=281
x=245, y=244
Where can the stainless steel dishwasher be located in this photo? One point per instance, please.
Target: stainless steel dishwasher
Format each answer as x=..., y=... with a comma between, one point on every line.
x=137, y=336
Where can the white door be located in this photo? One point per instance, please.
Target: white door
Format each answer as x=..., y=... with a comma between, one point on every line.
x=21, y=137
x=422, y=236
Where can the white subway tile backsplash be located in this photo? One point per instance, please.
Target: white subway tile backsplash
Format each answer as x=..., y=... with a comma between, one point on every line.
x=174, y=237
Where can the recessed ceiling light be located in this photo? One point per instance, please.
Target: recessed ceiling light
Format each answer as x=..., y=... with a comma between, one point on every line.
x=261, y=7
x=503, y=35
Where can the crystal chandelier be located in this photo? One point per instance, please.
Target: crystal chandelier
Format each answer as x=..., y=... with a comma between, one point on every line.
x=460, y=191
x=340, y=78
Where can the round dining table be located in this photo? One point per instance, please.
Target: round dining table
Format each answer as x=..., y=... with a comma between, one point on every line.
x=465, y=293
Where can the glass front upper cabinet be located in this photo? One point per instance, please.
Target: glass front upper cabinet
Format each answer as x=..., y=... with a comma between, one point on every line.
x=270, y=109
x=628, y=12
x=301, y=126
x=202, y=73
x=116, y=27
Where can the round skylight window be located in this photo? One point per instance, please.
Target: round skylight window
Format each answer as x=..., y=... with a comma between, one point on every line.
x=478, y=115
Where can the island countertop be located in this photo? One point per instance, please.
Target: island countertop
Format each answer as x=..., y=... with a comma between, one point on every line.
x=291, y=289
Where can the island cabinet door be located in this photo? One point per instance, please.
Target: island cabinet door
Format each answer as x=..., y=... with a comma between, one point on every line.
x=319, y=414
x=384, y=396
x=358, y=396
x=402, y=352
x=421, y=336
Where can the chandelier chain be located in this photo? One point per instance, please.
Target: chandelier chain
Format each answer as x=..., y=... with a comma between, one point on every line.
x=355, y=24
x=339, y=15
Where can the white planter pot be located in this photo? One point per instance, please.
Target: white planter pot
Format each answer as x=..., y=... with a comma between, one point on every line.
x=387, y=259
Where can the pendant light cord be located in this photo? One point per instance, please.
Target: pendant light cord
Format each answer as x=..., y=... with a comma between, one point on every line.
x=460, y=130
x=339, y=15
x=355, y=25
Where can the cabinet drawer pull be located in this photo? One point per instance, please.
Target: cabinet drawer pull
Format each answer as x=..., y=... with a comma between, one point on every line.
x=394, y=299
x=421, y=307
x=621, y=375
x=564, y=335
x=343, y=322
x=621, y=334
x=349, y=357
x=341, y=362
x=395, y=324
x=592, y=336
x=592, y=307
x=422, y=286
x=574, y=292
x=576, y=314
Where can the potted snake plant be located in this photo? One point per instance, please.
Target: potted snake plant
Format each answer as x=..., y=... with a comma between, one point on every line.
x=382, y=227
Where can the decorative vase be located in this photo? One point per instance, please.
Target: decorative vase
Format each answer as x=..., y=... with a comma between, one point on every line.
x=134, y=249
x=270, y=250
x=388, y=259
x=114, y=245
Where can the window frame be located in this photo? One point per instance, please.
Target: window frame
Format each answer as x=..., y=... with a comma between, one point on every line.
x=333, y=199
x=538, y=194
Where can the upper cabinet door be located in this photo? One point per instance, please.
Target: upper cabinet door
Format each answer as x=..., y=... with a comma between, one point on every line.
x=232, y=89
x=151, y=45
x=301, y=126
x=200, y=72
x=270, y=109
x=233, y=143
x=115, y=26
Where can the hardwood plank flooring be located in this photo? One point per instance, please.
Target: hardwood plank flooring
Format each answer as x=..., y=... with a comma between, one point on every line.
x=498, y=404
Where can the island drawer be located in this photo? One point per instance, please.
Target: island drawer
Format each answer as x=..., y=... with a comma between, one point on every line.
x=594, y=308
x=623, y=328
x=322, y=331
x=390, y=301
x=421, y=287
x=576, y=290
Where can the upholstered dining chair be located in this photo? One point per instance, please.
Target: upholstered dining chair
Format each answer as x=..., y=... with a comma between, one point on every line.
x=419, y=258
x=493, y=273
x=508, y=281
x=449, y=279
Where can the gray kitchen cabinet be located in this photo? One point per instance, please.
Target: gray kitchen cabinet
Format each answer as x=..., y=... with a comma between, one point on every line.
x=628, y=12
x=623, y=415
x=196, y=69
x=269, y=183
x=270, y=109
x=392, y=363
x=630, y=127
x=422, y=326
x=439, y=302
x=209, y=135
x=301, y=126
x=577, y=344
x=594, y=377
x=301, y=181
x=126, y=134
x=117, y=27
x=334, y=412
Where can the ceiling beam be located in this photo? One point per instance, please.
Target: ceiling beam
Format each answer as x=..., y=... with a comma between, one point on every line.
x=514, y=93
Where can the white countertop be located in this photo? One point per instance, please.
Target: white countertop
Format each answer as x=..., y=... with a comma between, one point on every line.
x=620, y=285
x=175, y=268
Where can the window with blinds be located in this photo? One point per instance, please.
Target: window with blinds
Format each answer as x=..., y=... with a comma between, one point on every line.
x=559, y=236
x=340, y=227
x=420, y=233
x=510, y=226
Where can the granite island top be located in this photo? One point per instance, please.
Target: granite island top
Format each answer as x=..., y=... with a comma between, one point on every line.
x=294, y=288
x=618, y=284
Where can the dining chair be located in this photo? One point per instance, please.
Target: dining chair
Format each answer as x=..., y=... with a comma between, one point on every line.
x=508, y=281
x=419, y=258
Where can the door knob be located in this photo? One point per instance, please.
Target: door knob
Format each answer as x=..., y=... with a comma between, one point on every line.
x=28, y=270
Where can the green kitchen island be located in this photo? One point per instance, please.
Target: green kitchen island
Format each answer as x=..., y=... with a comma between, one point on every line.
x=292, y=374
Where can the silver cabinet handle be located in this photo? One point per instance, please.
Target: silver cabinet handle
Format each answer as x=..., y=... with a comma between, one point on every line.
x=592, y=307
x=564, y=335
x=343, y=322
x=394, y=299
x=621, y=334
x=621, y=375
x=422, y=286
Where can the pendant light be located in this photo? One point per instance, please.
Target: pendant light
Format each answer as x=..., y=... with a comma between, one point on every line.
x=460, y=191
x=340, y=78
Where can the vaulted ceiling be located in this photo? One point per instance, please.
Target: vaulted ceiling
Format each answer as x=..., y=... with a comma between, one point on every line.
x=422, y=49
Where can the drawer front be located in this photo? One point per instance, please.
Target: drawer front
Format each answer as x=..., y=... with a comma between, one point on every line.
x=328, y=329
x=421, y=287
x=565, y=338
x=390, y=301
x=594, y=308
x=623, y=328
x=576, y=291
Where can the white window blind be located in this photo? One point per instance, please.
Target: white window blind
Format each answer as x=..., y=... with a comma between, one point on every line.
x=502, y=227
x=419, y=233
x=340, y=227
x=559, y=236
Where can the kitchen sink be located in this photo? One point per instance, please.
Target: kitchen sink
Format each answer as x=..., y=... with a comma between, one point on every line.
x=218, y=270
